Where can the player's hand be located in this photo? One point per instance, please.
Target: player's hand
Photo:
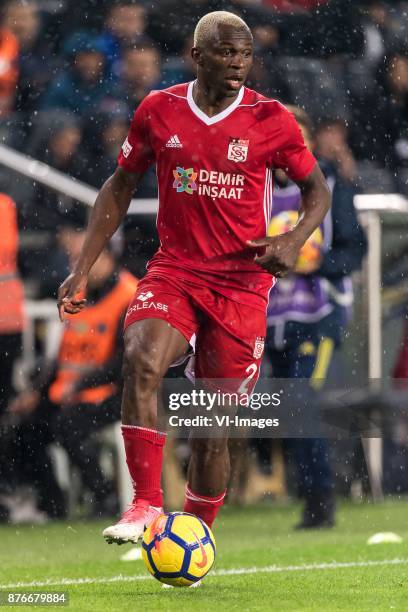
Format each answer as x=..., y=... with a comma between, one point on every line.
x=281, y=253
x=68, y=295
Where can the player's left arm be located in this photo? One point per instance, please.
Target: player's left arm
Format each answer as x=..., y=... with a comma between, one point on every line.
x=282, y=251
x=315, y=203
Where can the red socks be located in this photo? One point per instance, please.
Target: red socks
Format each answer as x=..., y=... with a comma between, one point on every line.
x=206, y=508
x=144, y=457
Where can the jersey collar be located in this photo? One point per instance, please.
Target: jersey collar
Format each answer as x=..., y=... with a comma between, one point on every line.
x=219, y=116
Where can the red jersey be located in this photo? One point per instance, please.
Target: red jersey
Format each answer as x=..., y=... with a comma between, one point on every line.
x=215, y=184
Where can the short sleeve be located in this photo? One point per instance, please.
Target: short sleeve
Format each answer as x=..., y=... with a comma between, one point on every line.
x=292, y=156
x=137, y=154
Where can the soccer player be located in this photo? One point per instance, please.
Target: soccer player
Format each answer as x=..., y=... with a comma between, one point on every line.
x=215, y=144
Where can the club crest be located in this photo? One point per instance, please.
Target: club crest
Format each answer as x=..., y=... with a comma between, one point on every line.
x=238, y=149
x=259, y=347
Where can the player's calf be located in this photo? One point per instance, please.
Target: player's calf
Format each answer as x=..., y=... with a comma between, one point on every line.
x=208, y=475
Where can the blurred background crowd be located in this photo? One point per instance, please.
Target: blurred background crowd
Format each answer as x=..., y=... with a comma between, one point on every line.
x=71, y=76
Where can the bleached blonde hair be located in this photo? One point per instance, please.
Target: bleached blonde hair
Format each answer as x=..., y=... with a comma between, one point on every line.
x=208, y=24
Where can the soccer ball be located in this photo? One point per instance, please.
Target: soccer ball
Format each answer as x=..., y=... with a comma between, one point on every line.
x=178, y=549
x=310, y=251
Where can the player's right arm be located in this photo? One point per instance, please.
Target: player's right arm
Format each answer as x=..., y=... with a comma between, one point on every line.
x=109, y=210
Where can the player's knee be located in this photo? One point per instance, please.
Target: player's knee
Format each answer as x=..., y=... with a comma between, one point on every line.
x=141, y=368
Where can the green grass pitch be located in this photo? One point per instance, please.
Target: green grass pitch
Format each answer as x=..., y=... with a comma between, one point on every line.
x=262, y=564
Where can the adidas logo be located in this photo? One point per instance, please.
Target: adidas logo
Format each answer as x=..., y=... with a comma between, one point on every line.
x=145, y=296
x=174, y=142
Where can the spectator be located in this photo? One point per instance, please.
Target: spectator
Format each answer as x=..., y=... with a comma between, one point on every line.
x=331, y=144
x=125, y=25
x=385, y=26
x=307, y=315
x=9, y=52
x=266, y=39
x=140, y=73
x=126, y=21
x=12, y=298
x=103, y=138
x=82, y=87
x=52, y=270
x=56, y=141
x=393, y=113
x=78, y=394
x=179, y=69
x=266, y=75
x=381, y=120
x=22, y=18
x=11, y=319
x=376, y=25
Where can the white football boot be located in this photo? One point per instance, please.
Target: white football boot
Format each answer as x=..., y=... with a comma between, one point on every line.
x=133, y=523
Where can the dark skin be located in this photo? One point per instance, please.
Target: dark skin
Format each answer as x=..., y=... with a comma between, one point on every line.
x=222, y=68
x=151, y=345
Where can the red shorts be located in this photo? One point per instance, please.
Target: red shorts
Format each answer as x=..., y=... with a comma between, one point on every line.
x=228, y=337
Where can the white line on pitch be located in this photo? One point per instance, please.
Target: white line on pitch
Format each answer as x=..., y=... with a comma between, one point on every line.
x=268, y=569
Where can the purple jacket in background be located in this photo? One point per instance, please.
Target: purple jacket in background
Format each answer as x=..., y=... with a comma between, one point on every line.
x=297, y=297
